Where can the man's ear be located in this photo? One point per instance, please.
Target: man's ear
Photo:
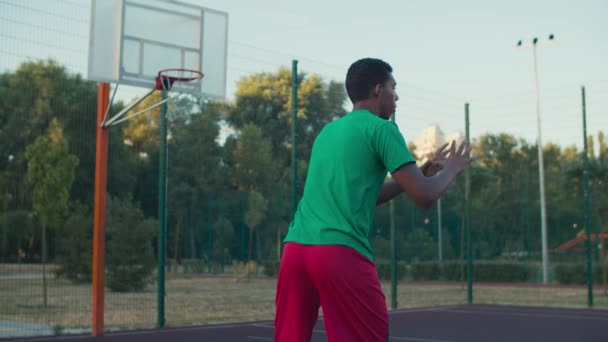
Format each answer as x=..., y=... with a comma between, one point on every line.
x=376, y=90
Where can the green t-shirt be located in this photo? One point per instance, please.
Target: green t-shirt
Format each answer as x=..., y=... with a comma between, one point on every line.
x=349, y=162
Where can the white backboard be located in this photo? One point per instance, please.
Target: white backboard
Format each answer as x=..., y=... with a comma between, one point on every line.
x=132, y=40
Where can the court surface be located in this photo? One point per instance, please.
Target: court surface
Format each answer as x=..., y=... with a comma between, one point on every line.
x=459, y=323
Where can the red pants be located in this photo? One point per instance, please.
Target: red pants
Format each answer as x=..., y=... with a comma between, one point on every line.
x=339, y=279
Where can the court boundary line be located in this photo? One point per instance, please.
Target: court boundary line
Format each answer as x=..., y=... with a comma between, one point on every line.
x=417, y=339
x=165, y=330
x=523, y=314
x=423, y=309
x=568, y=313
x=533, y=308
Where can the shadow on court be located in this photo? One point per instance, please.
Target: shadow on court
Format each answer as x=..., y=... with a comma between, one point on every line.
x=461, y=323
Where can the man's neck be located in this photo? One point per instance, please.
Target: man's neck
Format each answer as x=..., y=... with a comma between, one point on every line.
x=367, y=105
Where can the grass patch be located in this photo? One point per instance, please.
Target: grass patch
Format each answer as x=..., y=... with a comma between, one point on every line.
x=411, y=295
x=10, y=269
x=195, y=300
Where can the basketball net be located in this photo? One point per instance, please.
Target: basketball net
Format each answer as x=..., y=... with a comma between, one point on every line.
x=174, y=82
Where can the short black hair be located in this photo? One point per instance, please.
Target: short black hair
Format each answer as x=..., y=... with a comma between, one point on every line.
x=365, y=74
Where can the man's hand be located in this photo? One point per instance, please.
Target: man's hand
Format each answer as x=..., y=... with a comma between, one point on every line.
x=434, y=163
x=458, y=159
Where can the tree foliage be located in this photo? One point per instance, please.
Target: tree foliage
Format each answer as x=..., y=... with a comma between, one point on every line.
x=74, y=241
x=50, y=174
x=230, y=178
x=129, y=259
x=255, y=215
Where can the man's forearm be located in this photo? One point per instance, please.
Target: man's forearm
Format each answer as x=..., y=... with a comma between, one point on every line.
x=390, y=190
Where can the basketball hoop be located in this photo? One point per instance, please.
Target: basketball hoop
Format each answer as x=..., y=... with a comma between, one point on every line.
x=166, y=78
x=164, y=81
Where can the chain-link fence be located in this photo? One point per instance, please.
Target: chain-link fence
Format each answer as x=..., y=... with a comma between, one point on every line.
x=229, y=193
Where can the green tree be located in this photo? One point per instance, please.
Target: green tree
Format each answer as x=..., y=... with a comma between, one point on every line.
x=419, y=246
x=598, y=186
x=31, y=96
x=254, y=172
x=142, y=131
x=501, y=194
x=130, y=259
x=50, y=173
x=603, y=146
x=4, y=201
x=255, y=215
x=590, y=146
x=19, y=234
x=254, y=167
x=195, y=164
x=224, y=234
x=74, y=242
x=264, y=100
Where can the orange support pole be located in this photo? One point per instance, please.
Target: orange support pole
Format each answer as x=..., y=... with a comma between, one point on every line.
x=99, y=216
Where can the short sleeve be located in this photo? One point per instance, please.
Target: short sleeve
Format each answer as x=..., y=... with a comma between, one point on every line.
x=391, y=147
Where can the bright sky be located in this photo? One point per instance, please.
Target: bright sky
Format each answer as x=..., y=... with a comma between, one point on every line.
x=444, y=53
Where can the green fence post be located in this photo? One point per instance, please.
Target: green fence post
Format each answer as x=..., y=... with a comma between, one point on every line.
x=467, y=215
x=210, y=231
x=162, y=213
x=587, y=204
x=294, y=135
x=243, y=230
x=393, y=251
x=598, y=241
x=221, y=233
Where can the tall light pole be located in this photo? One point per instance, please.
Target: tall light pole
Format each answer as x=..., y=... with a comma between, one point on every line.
x=541, y=168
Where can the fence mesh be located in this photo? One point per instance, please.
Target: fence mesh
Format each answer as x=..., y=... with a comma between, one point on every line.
x=229, y=197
